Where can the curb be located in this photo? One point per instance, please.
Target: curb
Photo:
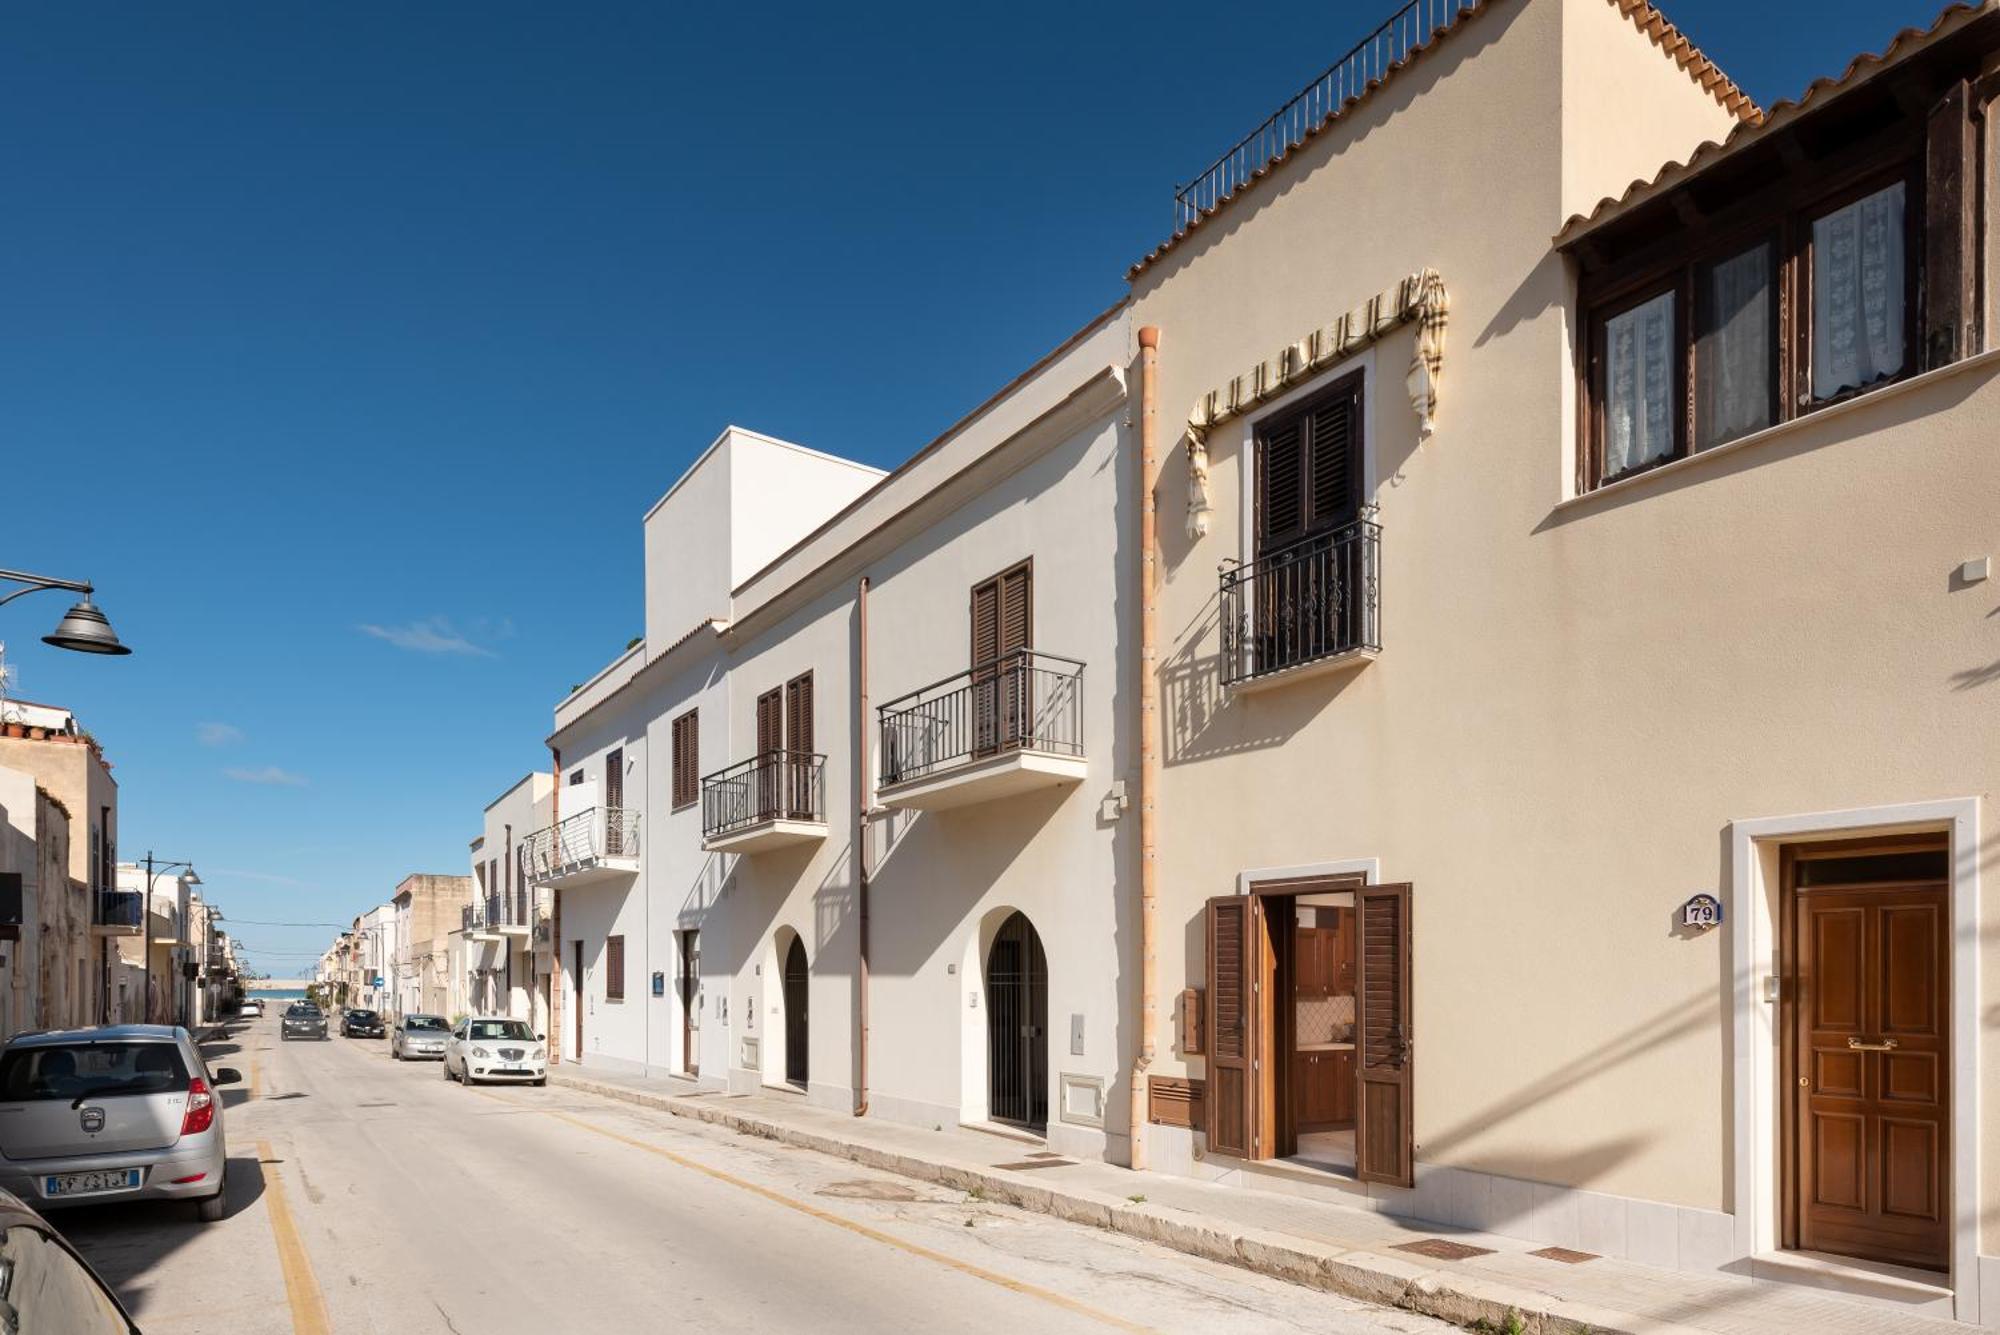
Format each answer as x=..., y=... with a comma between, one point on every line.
x=1369, y=1276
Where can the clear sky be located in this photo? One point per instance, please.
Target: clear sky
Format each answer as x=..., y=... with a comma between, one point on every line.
x=343, y=345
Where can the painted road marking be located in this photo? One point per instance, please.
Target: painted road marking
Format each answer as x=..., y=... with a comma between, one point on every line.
x=301, y=1289
x=826, y=1217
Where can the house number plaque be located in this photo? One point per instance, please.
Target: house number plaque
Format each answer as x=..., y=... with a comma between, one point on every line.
x=1702, y=912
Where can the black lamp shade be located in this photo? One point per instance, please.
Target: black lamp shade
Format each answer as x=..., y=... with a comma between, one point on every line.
x=85, y=630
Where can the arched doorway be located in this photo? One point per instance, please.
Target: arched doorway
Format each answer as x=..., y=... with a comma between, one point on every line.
x=795, y=1014
x=1017, y=1026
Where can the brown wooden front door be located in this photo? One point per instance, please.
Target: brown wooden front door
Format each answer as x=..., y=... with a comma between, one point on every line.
x=1871, y=1063
x=1384, y=1038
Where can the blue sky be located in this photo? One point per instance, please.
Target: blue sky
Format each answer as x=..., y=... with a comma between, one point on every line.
x=344, y=345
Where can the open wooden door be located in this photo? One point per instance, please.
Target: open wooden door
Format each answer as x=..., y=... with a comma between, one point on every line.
x=1235, y=934
x=1384, y=1124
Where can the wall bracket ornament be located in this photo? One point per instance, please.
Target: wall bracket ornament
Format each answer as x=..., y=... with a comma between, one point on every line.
x=1420, y=299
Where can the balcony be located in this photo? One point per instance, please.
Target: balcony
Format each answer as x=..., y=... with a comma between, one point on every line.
x=596, y=844
x=1308, y=608
x=769, y=801
x=116, y=913
x=1005, y=727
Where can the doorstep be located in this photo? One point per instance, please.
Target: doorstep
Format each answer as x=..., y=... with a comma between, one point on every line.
x=1352, y=1250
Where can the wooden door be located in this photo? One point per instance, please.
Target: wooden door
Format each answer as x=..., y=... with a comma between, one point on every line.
x=1384, y=1038
x=1233, y=933
x=576, y=983
x=770, y=741
x=799, y=796
x=1872, y=1062
x=1002, y=625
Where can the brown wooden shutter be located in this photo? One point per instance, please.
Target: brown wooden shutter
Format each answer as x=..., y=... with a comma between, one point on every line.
x=1951, y=230
x=687, y=767
x=770, y=739
x=985, y=622
x=1280, y=481
x=1336, y=460
x=1384, y=1124
x=614, y=968
x=1016, y=609
x=614, y=778
x=799, y=742
x=1232, y=1008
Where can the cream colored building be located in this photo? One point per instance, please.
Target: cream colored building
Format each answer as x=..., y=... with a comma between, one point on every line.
x=1660, y=568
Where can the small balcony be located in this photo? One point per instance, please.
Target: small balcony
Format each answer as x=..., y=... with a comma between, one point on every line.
x=1310, y=607
x=1005, y=727
x=773, y=800
x=116, y=913
x=596, y=844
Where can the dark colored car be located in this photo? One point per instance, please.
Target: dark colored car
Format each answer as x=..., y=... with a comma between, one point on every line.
x=303, y=1020
x=45, y=1287
x=358, y=1023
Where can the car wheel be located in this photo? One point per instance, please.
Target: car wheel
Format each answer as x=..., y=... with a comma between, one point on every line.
x=446, y=1068
x=543, y=1081
x=211, y=1209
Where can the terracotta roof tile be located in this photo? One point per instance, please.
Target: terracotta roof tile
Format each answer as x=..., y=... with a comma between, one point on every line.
x=1859, y=70
x=1644, y=14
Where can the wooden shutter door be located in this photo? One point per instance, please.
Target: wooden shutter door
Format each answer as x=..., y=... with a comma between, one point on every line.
x=614, y=802
x=1016, y=672
x=1384, y=1038
x=985, y=694
x=799, y=743
x=1232, y=1010
x=770, y=739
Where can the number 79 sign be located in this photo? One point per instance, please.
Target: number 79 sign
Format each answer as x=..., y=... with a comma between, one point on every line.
x=1702, y=912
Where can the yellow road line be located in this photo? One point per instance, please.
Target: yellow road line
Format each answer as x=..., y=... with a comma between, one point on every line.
x=301, y=1289
x=827, y=1217
x=256, y=1076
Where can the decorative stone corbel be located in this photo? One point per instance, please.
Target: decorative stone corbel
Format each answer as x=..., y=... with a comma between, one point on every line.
x=1199, y=510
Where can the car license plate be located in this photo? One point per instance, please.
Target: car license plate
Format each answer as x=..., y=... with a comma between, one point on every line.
x=83, y=1184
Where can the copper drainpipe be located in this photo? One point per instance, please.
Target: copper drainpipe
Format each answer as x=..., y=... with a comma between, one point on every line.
x=555, y=924
x=863, y=799
x=1149, y=760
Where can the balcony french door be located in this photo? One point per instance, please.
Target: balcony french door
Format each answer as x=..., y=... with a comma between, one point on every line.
x=1002, y=620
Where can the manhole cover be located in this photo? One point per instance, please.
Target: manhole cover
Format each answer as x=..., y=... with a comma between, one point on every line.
x=1439, y=1249
x=1564, y=1254
x=869, y=1191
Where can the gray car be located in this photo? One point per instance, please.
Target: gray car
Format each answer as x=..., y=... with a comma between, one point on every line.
x=419, y=1037
x=125, y=1111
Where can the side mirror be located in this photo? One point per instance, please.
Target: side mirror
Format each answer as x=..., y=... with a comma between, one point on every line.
x=227, y=1075
x=541, y=1038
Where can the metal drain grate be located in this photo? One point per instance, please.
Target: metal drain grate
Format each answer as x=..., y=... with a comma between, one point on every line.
x=1443, y=1249
x=1565, y=1255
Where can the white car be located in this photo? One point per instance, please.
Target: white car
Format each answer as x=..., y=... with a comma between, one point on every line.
x=250, y=1010
x=493, y=1047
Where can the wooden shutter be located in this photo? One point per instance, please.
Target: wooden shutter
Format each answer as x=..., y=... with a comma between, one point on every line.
x=985, y=622
x=614, y=968
x=687, y=767
x=1016, y=608
x=614, y=778
x=1232, y=1009
x=1280, y=481
x=1309, y=466
x=1385, y=1040
x=770, y=739
x=1335, y=463
x=799, y=742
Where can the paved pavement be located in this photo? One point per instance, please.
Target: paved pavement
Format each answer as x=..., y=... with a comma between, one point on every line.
x=371, y=1196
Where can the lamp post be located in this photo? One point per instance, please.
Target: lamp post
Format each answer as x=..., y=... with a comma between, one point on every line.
x=84, y=629
x=153, y=869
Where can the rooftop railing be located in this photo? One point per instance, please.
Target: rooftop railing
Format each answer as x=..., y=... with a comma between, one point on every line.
x=777, y=785
x=1287, y=127
x=1020, y=701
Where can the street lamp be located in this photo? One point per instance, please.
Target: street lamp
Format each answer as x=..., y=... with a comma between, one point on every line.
x=153, y=869
x=84, y=629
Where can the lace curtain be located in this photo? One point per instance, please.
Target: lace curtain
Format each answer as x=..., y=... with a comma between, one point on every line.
x=1639, y=385
x=1733, y=352
x=1858, y=299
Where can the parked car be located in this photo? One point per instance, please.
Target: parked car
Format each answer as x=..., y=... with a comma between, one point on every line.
x=358, y=1023
x=124, y=1110
x=48, y=1289
x=493, y=1047
x=252, y=1009
x=418, y=1036
x=303, y=1020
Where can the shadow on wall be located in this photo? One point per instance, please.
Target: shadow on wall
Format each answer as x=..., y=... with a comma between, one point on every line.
x=1199, y=719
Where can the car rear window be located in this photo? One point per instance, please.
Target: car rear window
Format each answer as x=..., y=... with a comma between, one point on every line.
x=424, y=1022
x=90, y=1070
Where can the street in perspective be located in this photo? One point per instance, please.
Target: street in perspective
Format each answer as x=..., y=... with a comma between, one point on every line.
x=916, y=670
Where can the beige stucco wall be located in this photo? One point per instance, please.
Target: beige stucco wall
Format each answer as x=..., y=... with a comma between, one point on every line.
x=1572, y=703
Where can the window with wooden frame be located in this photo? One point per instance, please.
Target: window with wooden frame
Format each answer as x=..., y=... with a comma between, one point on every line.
x=1807, y=296
x=614, y=968
x=687, y=760
x=1309, y=466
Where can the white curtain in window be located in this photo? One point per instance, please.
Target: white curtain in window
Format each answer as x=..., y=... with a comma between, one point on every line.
x=1733, y=351
x=1858, y=293
x=1639, y=385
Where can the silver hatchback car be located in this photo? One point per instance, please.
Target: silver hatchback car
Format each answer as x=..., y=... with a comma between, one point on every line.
x=126, y=1111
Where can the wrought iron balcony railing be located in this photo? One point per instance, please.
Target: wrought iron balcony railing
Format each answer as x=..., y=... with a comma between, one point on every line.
x=777, y=785
x=1410, y=27
x=1020, y=701
x=1309, y=600
x=116, y=908
x=580, y=842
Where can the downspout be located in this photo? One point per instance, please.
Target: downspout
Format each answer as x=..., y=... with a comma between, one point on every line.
x=1149, y=760
x=555, y=923
x=864, y=797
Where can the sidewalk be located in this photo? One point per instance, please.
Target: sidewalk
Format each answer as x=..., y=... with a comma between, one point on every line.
x=1342, y=1249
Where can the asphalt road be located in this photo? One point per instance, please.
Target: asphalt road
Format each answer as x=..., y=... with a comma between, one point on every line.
x=372, y=1196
